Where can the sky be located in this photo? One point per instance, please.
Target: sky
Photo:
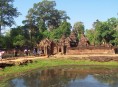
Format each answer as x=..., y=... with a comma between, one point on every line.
x=86, y=11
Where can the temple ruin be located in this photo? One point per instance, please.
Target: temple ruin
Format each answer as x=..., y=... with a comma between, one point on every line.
x=71, y=45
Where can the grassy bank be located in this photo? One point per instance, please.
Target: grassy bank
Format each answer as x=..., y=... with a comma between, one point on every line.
x=42, y=63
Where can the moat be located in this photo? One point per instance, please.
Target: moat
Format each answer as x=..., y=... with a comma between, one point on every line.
x=68, y=76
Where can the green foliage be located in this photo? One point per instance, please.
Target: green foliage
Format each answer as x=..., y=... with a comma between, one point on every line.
x=19, y=40
x=5, y=42
x=115, y=41
x=97, y=32
x=45, y=15
x=20, y=36
x=8, y=42
x=1, y=41
x=41, y=26
x=78, y=28
x=46, y=34
x=65, y=27
x=112, y=22
x=104, y=32
x=16, y=31
x=7, y=13
x=45, y=21
x=55, y=34
x=91, y=35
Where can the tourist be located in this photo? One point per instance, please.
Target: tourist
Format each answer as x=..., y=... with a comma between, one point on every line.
x=35, y=51
x=15, y=52
x=48, y=51
x=26, y=52
x=38, y=52
x=29, y=52
x=1, y=54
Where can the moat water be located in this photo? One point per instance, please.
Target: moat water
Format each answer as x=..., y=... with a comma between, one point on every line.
x=68, y=76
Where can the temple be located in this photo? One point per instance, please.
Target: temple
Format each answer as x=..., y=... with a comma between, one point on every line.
x=71, y=45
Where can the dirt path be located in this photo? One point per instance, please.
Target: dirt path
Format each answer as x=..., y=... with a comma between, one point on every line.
x=93, y=57
x=58, y=56
x=18, y=60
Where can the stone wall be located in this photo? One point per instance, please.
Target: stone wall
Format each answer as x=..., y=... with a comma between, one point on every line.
x=90, y=50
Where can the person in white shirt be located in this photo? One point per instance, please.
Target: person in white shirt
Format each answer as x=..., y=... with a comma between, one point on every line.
x=1, y=53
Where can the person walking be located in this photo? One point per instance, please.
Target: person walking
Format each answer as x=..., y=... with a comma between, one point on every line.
x=1, y=54
x=26, y=52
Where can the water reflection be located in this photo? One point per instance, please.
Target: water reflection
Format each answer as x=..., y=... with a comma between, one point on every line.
x=68, y=77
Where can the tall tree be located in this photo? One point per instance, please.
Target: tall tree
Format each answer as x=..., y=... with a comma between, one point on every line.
x=20, y=36
x=65, y=28
x=91, y=35
x=78, y=28
x=46, y=15
x=113, y=25
x=104, y=31
x=112, y=22
x=97, y=32
x=19, y=40
x=7, y=13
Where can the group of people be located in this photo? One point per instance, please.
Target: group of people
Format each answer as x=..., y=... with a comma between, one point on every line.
x=26, y=52
x=35, y=52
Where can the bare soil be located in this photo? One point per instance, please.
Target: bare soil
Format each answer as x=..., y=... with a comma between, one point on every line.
x=29, y=59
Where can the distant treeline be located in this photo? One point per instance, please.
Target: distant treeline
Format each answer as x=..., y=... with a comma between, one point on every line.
x=43, y=20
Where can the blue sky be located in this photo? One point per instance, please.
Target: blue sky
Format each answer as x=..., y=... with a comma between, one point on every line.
x=86, y=11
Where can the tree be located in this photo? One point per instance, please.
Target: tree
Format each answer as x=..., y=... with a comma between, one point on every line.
x=55, y=34
x=44, y=14
x=26, y=36
x=6, y=41
x=19, y=40
x=30, y=22
x=1, y=41
x=104, y=32
x=115, y=40
x=65, y=27
x=91, y=35
x=78, y=28
x=16, y=31
x=112, y=22
x=113, y=25
x=7, y=13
